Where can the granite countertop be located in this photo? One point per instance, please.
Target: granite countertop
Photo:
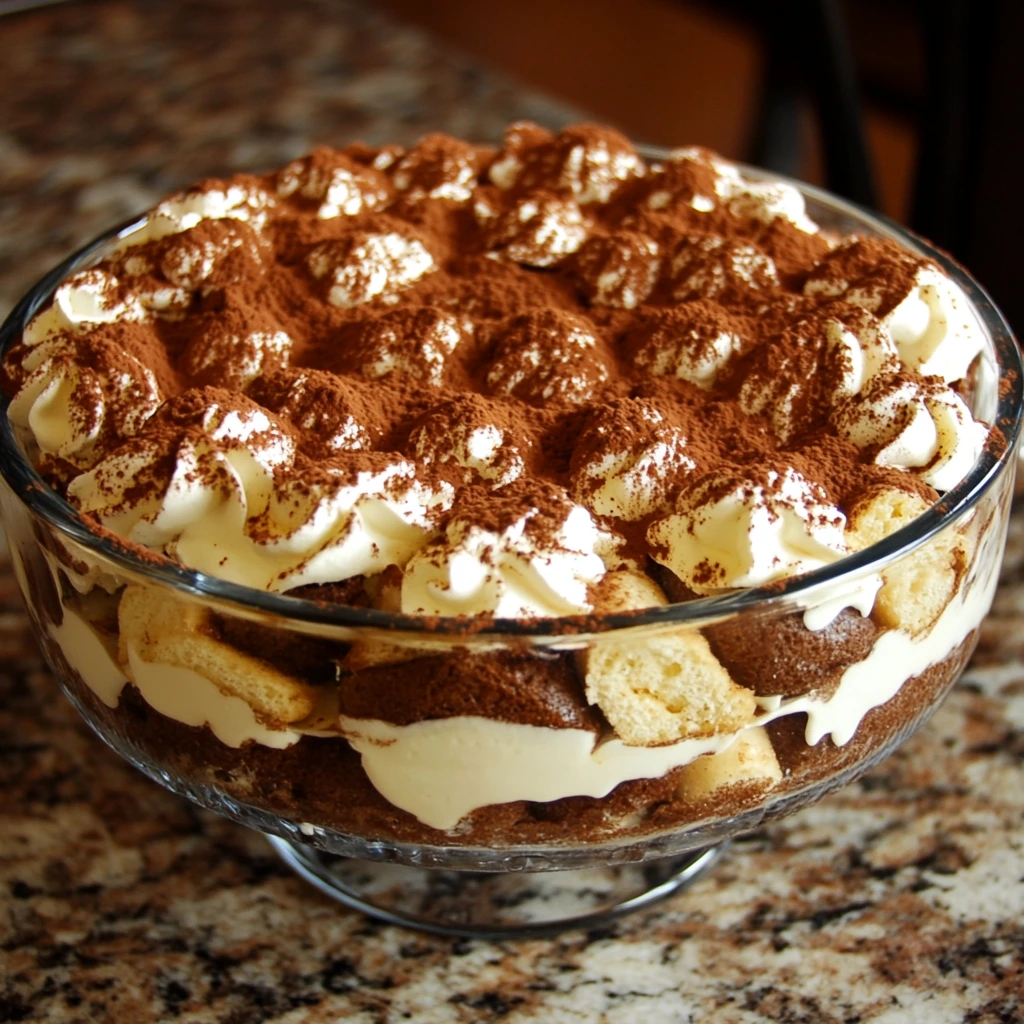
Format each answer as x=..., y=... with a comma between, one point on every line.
x=900, y=898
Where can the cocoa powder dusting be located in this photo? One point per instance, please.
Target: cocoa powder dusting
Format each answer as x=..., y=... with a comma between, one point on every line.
x=370, y=302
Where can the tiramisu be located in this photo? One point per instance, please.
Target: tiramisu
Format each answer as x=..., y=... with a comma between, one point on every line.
x=547, y=383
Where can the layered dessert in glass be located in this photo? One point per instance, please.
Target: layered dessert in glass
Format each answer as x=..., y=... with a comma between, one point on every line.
x=542, y=498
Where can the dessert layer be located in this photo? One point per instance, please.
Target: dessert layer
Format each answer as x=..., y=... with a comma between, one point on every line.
x=322, y=781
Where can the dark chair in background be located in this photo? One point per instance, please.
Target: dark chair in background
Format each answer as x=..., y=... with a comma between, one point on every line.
x=964, y=96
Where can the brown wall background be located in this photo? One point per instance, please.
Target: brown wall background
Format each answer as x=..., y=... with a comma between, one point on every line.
x=667, y=71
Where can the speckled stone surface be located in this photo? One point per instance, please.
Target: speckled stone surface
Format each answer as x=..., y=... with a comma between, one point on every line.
x=900, y=898
x=105, y=106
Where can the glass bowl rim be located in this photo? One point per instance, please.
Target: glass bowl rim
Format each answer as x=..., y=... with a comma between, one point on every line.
x=33, y=492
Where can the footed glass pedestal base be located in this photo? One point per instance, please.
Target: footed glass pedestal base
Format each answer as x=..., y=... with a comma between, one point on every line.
x=488, y=905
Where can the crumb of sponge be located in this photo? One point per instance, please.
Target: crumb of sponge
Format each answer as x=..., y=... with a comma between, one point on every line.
x=659, y=688
x=165, y=630
x=918, y=587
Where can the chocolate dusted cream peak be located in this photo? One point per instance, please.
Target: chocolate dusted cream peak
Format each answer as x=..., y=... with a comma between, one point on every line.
x=469, y=438
x=523, y=550
x=620, y=269
x=81, y=398
x=931, y=321
x=330, y=411
x=365, y=265
x=695, y=341
x=234, y=346
x=629, y=461
x=548, y=355
x=696, y=192
x=877, y=264
x=733, y=272
x=796, y=378
x=439, y=167
x=206, y=257
x=417, y=342
x=914, y=422
x=746, y=527
x=590, y=163
x=334, y=183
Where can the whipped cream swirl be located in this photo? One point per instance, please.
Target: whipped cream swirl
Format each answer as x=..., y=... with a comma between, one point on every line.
x=733, y=530
x=339, y=185
x=81, y=393
x=914, y=423
x=743, y=197
x=481, y=451
x=366, y=265
x=934, y=327
x=234, y=201
x=537, y=554
x=83, y=301
x=928, y=315
x=628, y=474
x=592, y=164
x=226, y=498
x=536, y=230
x=545, y=354
x=813, y=367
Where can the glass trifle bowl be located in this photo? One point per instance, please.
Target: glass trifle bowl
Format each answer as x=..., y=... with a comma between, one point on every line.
x=488, y=775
